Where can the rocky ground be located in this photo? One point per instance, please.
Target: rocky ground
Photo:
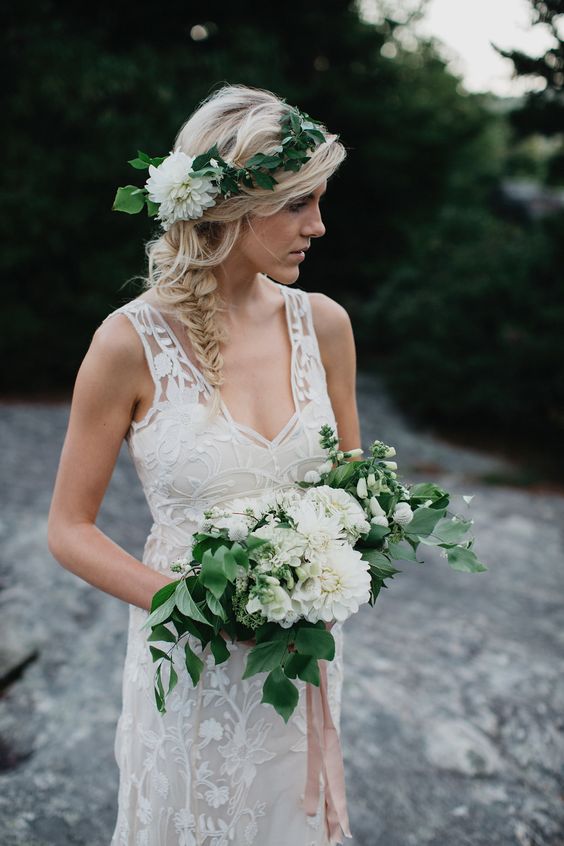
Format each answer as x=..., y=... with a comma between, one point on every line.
x=453, y=701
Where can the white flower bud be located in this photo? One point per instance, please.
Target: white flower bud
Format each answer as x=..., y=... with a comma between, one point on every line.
x=379, y=520
x=376, y=508
x=371, y=480
x=391, y=465
x=352, y=453
x=312, y=476
x=402, y=514
x=390, y=452
x=326, y=467
x=361, y=488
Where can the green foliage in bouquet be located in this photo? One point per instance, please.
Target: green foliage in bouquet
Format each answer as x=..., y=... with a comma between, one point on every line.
x=211, y=599
x=199, y=604
x=401, y=517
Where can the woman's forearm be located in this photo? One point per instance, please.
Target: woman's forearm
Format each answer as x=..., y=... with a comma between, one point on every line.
x=93, y=556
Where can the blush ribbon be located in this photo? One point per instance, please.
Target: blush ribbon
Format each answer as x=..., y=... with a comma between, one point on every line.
x=324, y=755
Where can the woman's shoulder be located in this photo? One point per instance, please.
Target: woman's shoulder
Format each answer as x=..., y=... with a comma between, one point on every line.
x=329, y=317
x=117, y=338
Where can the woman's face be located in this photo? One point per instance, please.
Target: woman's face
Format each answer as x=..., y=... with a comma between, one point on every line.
x=276, y=245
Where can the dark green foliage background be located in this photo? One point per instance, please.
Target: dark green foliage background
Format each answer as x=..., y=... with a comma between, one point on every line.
x=461, y=310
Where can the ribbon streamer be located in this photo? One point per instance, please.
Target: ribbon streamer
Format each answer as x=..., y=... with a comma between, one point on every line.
x=324, y=755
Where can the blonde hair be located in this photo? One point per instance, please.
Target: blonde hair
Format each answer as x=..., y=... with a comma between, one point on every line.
x=242, y=121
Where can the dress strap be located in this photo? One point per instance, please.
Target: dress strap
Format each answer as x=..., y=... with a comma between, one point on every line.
x=309, y=373
x=171, y=371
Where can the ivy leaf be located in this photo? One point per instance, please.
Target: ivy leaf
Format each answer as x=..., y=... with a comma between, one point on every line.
x=264, y=656
x=152, y=208
x=194, y=664
x=129, y=199
x=280, y=692
x=316, y=642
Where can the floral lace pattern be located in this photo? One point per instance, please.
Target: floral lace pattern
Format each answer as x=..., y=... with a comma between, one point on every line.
x=219, y=768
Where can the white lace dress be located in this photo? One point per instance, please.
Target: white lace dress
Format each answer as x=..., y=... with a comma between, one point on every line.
x=219, y=768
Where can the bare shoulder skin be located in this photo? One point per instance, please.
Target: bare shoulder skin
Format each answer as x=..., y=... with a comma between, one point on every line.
x=338, y=353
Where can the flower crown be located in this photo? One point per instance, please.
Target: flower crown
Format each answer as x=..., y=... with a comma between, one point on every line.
x=181, y=187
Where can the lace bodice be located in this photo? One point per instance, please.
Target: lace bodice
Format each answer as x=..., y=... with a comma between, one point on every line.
x=186, y=464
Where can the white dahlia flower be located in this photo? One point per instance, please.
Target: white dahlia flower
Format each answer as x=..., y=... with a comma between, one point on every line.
x=345, y=507
x=179, y=194
x=318, y=529
x=344, y=583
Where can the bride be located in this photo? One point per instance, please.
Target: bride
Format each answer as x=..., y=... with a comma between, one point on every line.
x=219, y=377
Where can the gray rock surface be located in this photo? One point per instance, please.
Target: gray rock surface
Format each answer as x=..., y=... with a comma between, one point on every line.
x=453, y=700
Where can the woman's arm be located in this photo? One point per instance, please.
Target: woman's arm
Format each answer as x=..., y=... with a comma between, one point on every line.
x=106, y=392
x=337, y=347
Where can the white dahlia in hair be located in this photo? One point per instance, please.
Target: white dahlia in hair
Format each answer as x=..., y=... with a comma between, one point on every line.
x=179, y=194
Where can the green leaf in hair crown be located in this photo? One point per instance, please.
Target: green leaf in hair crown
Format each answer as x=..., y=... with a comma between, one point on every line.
x=182, y=187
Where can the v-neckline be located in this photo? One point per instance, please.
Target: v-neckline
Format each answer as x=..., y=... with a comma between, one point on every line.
x=243, y=427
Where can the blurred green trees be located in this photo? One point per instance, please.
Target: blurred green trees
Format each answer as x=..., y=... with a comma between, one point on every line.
x=413, y=241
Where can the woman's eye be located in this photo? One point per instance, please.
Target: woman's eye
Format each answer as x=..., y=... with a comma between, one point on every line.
x=296, y=207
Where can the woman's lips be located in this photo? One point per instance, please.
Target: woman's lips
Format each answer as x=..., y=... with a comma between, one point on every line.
x=300, y=254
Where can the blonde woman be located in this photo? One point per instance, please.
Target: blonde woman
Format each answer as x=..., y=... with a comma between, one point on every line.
x=219, y=377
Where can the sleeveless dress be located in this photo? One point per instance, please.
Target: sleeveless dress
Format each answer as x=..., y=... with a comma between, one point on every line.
x=218, y=768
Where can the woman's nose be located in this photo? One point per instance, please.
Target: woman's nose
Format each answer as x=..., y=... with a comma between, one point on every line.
x=314, y=226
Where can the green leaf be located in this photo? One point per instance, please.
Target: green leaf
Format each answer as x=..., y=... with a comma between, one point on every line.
x=264, y=656
x=139, y=164
x=317, y=642
x=160, y=614
x=129, y=199
x=264, y=180
x=219, y=649
x=426, y=490
x=212, y=574
x=240, y=555
x=160, y=633
x=163, y=594
x=424, y=521
x=464, y=560
x=172, y=679
x=152, y=208
x=228, y=562
x=215, y=606
x=280, y=692
x=158, y=654
x=451, y=531
x=303, y=666
x=194, y=664
x=401, y=551
x=375, y=534
x=186, y=604
x=342, y=474
x=159, y=691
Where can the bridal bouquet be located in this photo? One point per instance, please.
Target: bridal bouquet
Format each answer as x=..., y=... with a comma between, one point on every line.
x=279, y=568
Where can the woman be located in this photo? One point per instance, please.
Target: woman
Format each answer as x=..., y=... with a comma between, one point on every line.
x=219, y=767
